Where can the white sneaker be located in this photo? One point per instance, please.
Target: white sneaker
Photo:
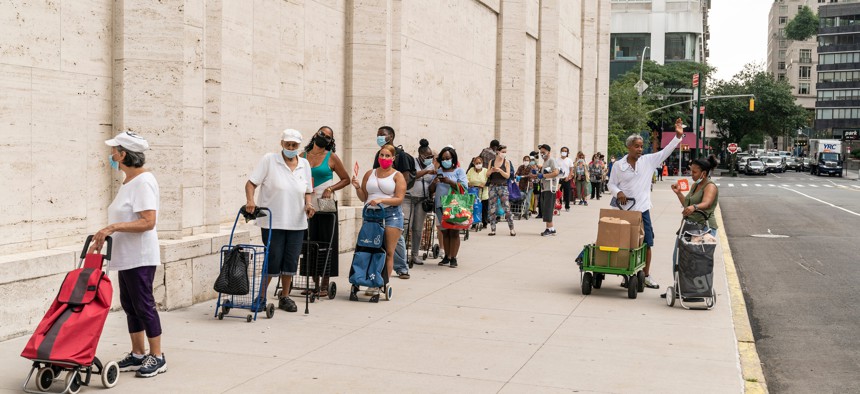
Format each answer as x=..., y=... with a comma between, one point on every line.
x=651, y=283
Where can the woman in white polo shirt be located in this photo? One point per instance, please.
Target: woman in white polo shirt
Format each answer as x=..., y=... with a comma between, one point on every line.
x=286, y=188
x=132, y=217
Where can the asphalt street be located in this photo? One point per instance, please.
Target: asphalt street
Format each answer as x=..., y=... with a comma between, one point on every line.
x=794, y=241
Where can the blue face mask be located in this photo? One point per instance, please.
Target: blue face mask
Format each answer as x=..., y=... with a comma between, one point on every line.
x=113, y=163
x=380, y=140
x=428, y=162
x=446, y=164
x=291, y=153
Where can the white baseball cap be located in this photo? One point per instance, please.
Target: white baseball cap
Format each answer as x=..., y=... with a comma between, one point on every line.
x=129, y=141
x=291, y=135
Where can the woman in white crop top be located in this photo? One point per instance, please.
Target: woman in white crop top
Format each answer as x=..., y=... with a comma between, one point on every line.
x=384, y=188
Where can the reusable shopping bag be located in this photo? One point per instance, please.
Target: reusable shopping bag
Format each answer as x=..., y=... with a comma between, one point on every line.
x=478, y=207
x=514, y=193
x=367, y=269
x=457, y=209
x=233, y=278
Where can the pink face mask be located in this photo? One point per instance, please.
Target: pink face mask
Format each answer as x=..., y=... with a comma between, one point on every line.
x=385, y=163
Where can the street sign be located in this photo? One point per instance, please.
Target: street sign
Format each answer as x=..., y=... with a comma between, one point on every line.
x=641, y=86
x=695, y=80
x=733, y=148
x=850, y=135
x=702, y=110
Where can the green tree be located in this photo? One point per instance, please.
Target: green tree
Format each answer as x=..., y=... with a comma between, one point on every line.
x=802, y=26
x=776, y=112
x=628, y=112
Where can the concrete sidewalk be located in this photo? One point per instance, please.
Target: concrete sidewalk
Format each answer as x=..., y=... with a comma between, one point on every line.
x=510, y=319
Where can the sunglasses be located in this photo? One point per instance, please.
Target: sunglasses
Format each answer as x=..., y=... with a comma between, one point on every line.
x=324, y=136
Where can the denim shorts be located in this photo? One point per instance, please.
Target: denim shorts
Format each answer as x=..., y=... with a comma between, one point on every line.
x=393, y=217
x=649, y=230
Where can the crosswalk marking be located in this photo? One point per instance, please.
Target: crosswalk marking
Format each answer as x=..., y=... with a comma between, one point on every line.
x=744, y=184
x=856, y=186
x=827, y=186
x=718, y=185
x=786, y=185
x=757, y=185
x=811, y=185
x=731, y=185
x=799, y=185
x=772, y=185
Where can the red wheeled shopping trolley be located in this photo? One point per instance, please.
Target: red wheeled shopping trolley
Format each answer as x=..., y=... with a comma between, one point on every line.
x=67, y=337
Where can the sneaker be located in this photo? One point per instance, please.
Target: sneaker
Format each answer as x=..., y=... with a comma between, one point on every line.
x=417, y=262
x=403, y=275
x=650, y=283
x=453, y=263
x=287, y=304
x=152, y=366
x=547, y=233
x=444, y=261
x=130, y=363
x=539, y=217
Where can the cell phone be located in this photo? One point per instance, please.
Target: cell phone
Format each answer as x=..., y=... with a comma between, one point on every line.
x=438, y=175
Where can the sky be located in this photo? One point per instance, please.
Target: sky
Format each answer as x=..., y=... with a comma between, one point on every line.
x=738, y=34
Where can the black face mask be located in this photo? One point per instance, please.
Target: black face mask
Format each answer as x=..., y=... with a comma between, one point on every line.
x=321, y=142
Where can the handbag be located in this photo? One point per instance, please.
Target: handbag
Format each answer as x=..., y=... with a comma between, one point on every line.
x=324, y=204
x=427, y=203
x=457, y=209
x=233, y=278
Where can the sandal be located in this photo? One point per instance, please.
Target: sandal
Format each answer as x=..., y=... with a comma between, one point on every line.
x=492, y=233
x=323, y=293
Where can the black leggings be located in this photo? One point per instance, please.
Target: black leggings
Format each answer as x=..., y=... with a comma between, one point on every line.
x=566, y=192
x=595, y=190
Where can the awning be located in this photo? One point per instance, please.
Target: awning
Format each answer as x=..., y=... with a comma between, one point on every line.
x=689, y=140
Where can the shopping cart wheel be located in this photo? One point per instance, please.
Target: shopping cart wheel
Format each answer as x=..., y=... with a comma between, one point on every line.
x=436, y=251
x=332, y=290
x=221, y=315
x=598, y=280
x=110, y=374
x=632, y=287
x=670, y=296
x=225, y=306
x=641, y=281
x=44, y=378
x=374, y=299
x=388, y=294
x=249, y=318
x=586, y=283
x=270, y=311
x=411, y=264
x=73, y=382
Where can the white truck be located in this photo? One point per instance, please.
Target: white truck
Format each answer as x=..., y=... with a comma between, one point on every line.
x=826, y=157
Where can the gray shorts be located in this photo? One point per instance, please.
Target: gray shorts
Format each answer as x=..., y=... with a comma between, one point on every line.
x=547, y=205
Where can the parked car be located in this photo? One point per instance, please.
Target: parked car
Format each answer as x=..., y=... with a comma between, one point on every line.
x=755, y=167
x=806, y=164
x=742, y=157
x=774, y=164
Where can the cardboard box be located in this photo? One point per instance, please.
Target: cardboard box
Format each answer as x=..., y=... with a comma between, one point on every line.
x=635, y=234
x=614, y=233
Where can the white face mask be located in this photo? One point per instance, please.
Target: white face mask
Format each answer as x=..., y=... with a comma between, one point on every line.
x=479, y=166
x=563, y=154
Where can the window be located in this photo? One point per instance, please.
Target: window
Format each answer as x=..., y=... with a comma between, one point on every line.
x=781, y=66
x=783, y=44
x=839, y=58
x=780, y=77
x=782, y=53
x=806, y=55
x=845, y=94
x=783, y=9
x=680, y=46
x=781, y=33
x=839, y=76
x=783, y=20
x=630, y=46
x=803, y=88
x=805, y=73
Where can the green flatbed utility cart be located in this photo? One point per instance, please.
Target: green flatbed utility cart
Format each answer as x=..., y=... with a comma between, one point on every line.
x=592, y=275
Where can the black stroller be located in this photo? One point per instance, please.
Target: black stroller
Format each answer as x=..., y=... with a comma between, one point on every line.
x=693, y=269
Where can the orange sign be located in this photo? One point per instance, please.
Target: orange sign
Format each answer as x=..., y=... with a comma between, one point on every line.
x=683, y=185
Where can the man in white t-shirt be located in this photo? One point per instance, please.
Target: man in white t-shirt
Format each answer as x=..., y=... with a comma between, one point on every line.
x=286, y=188
x=564, y=166
x=631, y=180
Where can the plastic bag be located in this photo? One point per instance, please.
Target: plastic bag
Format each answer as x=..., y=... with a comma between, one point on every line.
x=233, y=278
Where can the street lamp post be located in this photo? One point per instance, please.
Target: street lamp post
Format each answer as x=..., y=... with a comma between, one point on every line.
x=641, y=85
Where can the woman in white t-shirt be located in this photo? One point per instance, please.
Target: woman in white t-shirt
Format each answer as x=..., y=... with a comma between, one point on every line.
x=132, y=217
x=286, y=188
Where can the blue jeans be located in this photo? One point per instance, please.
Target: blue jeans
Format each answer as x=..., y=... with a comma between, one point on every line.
x=400, y=265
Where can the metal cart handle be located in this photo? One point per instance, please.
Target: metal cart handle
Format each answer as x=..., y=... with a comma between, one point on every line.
x=631, y=201
x=108, y=240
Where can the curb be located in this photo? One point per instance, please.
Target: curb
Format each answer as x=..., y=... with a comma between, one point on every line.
x=751, y=371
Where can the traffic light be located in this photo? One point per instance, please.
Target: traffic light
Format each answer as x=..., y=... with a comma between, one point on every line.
x=752, y=104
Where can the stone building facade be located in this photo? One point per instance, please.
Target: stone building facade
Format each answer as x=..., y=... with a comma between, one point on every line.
x=210, y=83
